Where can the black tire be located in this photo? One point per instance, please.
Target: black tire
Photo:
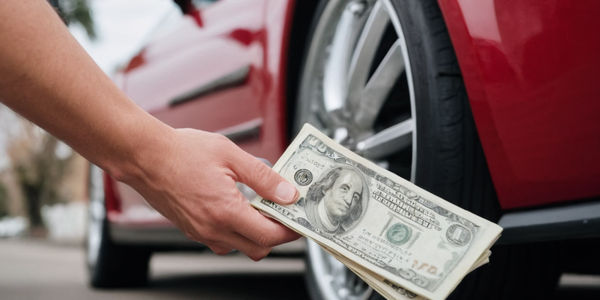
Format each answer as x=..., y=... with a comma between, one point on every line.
x=111, y=265
x=450, y=161
x=119, y=266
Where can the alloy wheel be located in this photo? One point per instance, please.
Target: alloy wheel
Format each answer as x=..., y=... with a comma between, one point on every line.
x=357, y=88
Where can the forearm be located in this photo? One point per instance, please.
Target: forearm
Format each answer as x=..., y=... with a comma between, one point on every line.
x=47, y=77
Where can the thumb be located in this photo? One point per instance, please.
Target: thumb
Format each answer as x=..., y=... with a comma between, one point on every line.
x=262, y=179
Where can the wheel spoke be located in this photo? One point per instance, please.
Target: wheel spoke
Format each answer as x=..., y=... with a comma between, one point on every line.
x=379, y=86
x=366, y=48
x=347, y=84
x=336, y=69
x=387, y=141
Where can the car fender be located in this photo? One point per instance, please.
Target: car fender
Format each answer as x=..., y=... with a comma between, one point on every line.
x=529, y=69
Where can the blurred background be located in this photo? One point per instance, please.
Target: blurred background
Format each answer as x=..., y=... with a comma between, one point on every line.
x=42, y=181
x=43, y=195
x=43, y=191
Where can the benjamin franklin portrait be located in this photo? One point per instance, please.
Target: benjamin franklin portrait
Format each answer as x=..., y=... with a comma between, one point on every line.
x=335, y=202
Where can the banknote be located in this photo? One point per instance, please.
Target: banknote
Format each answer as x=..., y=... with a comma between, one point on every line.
x=387, y=289
x=390, y=290
x=376, y=220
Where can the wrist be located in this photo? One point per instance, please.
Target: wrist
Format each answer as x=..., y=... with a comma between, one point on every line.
x=145, y=148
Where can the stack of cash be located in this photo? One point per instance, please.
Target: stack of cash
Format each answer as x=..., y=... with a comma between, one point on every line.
x=403, y=241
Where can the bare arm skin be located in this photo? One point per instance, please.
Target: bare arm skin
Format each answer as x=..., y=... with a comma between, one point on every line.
x=187, y=175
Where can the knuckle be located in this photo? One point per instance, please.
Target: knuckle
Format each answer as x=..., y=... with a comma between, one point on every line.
x=222, y=141
x=220, y=250
x=192, y=235
x=260, y=254
x=218, y=143
x=260, y=171
x=219, y=216
x=213, y=237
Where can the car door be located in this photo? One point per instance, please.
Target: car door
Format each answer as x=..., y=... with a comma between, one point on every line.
x=204, y=71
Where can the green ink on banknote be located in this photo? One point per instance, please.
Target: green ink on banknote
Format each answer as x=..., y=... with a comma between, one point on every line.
x=398, y=234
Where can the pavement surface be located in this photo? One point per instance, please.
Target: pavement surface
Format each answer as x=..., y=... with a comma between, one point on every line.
x=36, y=269
x=33, y=269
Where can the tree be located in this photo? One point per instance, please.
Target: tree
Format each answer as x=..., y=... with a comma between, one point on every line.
x=76, y=11
x=3, y=201
x=32, y=151
x=38, y=168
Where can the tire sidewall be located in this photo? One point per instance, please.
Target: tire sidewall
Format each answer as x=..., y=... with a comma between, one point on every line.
x=426, y=91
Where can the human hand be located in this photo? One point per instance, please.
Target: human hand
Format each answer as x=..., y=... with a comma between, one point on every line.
x=191, y=180
x=187, y=175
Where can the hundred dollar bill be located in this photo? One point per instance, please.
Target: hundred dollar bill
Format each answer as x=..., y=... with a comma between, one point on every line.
x=384, y=287
x=390, y=290
x=377, y=220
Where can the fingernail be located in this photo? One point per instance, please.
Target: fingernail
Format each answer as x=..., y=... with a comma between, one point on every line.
x=285, y=192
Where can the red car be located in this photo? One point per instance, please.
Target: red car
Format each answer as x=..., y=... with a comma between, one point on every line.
x=492, y=105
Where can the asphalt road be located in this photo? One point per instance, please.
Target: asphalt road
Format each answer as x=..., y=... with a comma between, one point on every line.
x=32, y=269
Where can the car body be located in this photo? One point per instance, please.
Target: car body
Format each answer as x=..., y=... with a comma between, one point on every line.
x=529, y=69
